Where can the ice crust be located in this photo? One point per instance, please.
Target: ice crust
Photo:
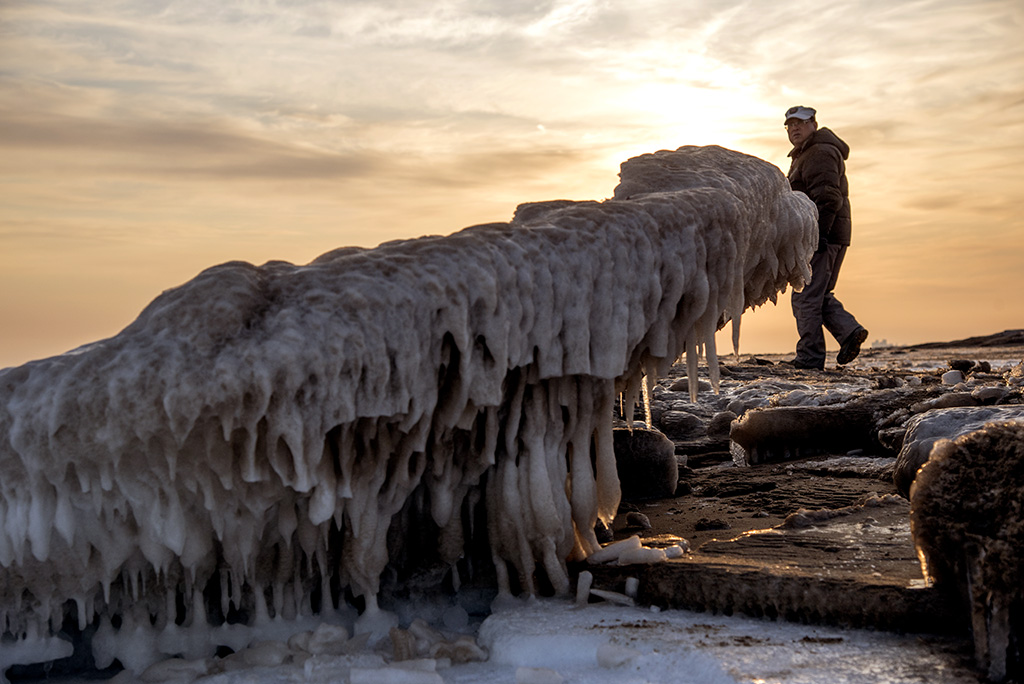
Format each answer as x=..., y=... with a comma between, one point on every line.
x=261, y=429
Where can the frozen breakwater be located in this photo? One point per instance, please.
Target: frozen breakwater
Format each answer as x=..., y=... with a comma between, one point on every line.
x=263, y=441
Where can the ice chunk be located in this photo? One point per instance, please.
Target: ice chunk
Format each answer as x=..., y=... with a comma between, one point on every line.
x=265, y=653
x=583, y=584
x=33, y=649
x=613, y=597
x=327, y=640
x=613, y=551
x=532, y=648
x=642, y=555
x=677, y=550
x=176, y=670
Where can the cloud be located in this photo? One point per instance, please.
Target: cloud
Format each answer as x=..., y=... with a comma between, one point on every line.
x=162, y=147
x=303, y=125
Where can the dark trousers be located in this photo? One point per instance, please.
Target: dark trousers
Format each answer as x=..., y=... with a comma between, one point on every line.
x=816, y=307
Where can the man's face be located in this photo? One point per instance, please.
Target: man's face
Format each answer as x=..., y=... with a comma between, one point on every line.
x=799, y=130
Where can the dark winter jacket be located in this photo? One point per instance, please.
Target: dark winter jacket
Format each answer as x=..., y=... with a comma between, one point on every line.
x=819, y=171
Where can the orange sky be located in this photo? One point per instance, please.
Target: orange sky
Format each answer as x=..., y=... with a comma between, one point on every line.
x=142, y=141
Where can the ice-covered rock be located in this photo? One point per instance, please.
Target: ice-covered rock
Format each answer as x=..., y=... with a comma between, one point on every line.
x=967, y=518
x=782, y=432
x=926, y=429
x=244, y=447
x=953, y=377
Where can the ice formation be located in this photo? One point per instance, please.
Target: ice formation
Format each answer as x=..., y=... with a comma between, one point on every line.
x=967, y=516
x=254, y=443
x=927, y=429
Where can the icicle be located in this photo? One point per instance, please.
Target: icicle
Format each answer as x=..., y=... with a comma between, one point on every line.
x=711, y=353
x=262, y=616
x=198, y=608
x=692, y=365
x=225, y=590
x=42, y=505
x=80, y=606
x=6, y=541
x=607, y=474
x=323, y=496
x=277, y=588
x=647, y=402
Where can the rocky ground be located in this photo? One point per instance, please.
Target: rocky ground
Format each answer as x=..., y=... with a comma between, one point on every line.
x=818, y=533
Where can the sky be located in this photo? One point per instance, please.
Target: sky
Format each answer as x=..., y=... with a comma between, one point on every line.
x=142, y=141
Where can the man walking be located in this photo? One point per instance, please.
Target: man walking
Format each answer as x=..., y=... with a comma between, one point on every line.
x=818, y=170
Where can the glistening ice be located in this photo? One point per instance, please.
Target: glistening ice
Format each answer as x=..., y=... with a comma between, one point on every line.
x=253, y=445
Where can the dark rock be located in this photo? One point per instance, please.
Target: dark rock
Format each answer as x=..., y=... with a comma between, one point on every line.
x=681, y=424
x=636, y=519
x=720, y=424
x=892, y=438
x=739, y=407
x=990, y=394
x=954, y=399
x=1015, y=377
x=712, y=524
x=683, y=385
x=647, y=464
x=962, y=365
x=888, y=382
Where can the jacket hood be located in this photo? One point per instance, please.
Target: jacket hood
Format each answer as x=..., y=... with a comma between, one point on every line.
x=825, y=136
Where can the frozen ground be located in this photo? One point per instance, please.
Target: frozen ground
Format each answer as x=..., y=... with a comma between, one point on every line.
x=550, y=641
